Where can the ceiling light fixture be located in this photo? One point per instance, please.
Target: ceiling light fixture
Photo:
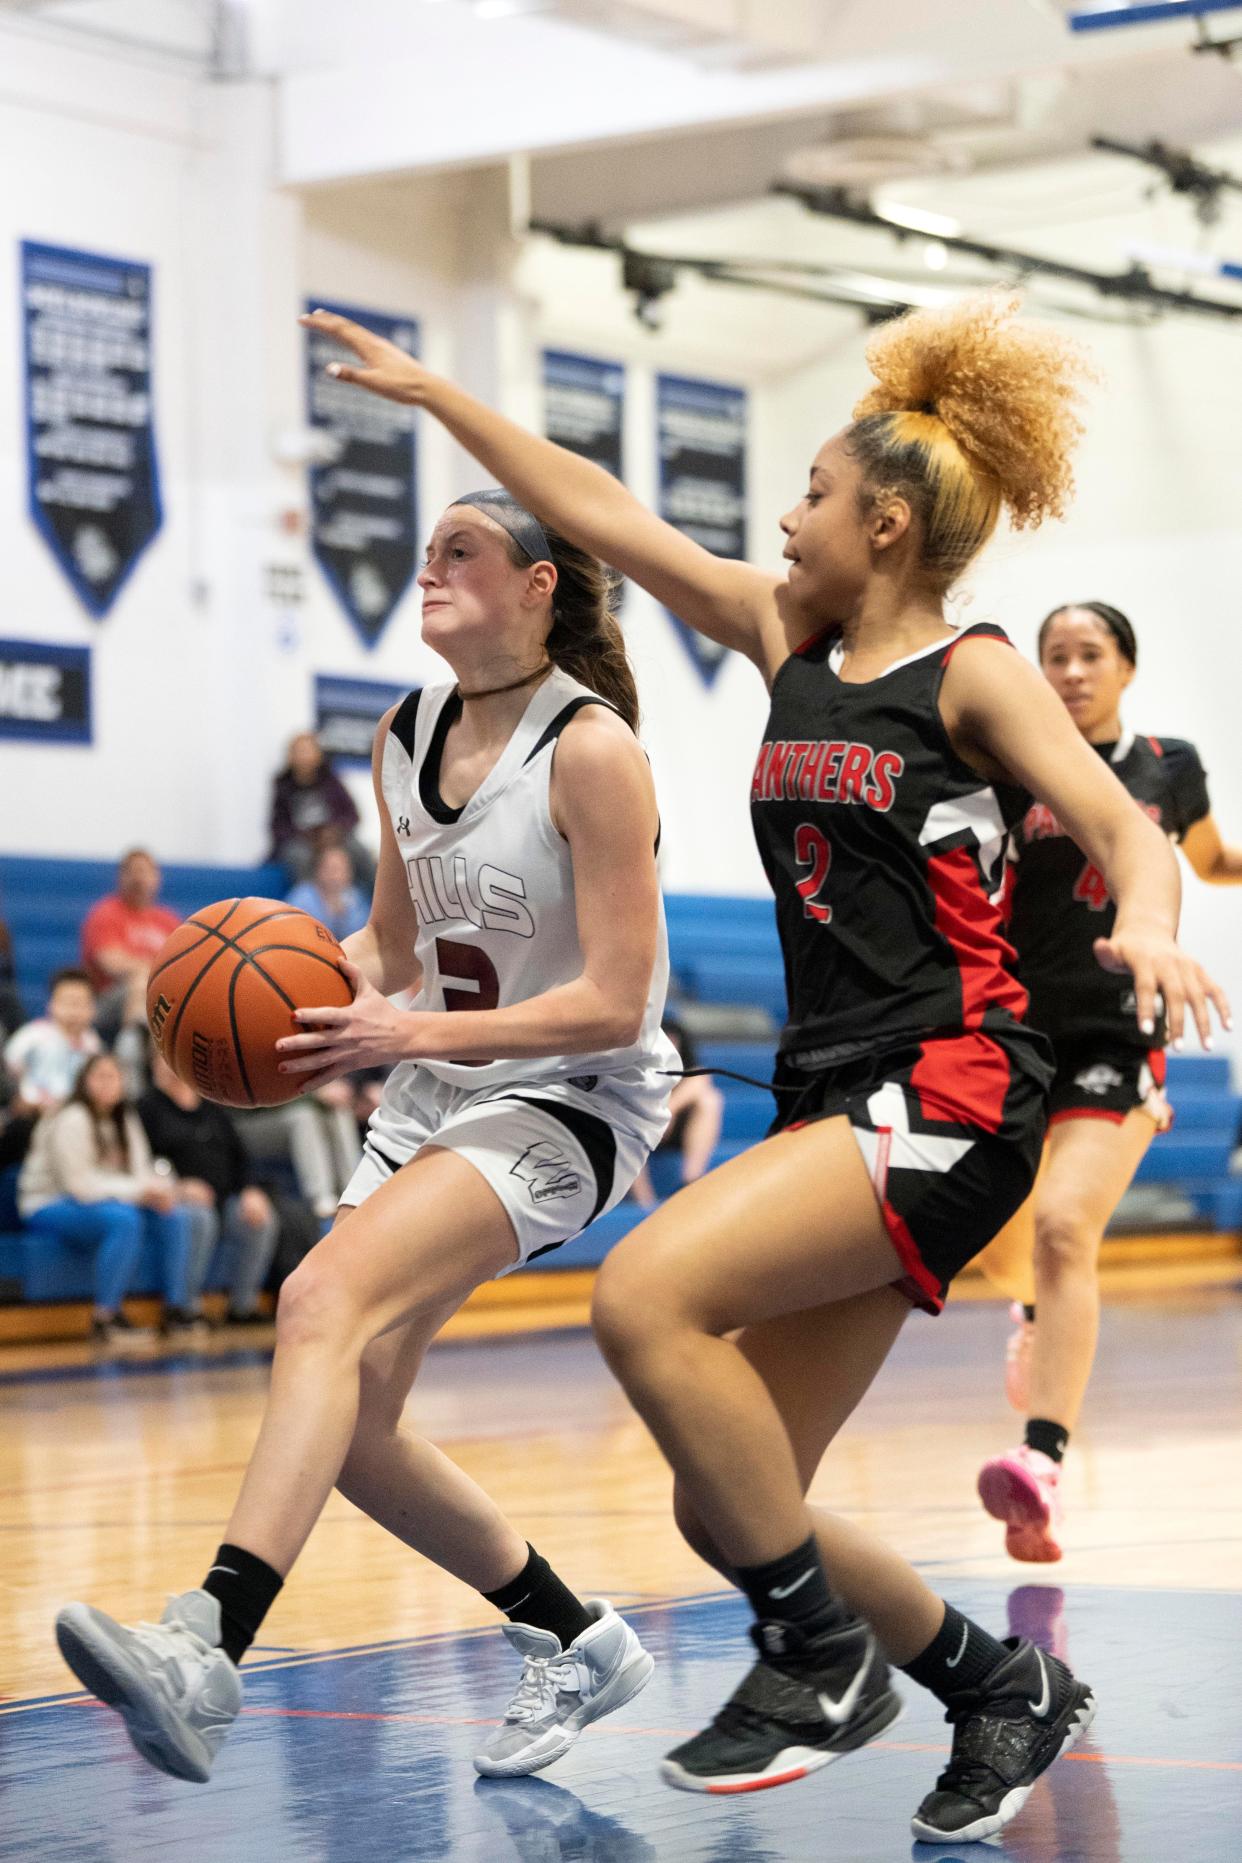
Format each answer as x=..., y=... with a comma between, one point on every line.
x=918, y=220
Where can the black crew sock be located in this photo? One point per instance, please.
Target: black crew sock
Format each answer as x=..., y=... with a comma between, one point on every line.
x=958, y=1656
x=1028, y=1311
x=1051, y=1439
x=246, y=1588
x=793, y=1590
x=539, y=1598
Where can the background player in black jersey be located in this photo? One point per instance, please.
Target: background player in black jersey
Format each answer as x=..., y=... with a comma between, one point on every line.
x=748, y=1316
x=1108, y=1093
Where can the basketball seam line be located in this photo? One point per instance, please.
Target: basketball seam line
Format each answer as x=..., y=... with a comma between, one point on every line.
x=237, y=1047
x=316, y=957
x=215, y=931
x=230, y=944
x=185, y=1000
x=206, y=930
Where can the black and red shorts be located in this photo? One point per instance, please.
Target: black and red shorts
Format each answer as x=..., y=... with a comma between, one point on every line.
x=1101, y=1077
x=951, y=1130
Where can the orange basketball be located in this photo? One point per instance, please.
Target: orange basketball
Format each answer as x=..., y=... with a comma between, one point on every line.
x=223, y=991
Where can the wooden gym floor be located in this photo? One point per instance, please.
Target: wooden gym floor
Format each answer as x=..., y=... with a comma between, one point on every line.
x=377, y=1672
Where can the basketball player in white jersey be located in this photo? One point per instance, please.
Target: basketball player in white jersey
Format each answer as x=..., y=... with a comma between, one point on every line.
x=517, y=895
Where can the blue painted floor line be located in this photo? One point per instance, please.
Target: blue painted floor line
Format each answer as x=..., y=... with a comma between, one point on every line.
x=363, y=1753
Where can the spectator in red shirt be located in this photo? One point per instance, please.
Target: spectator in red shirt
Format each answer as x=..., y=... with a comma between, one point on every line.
x=121, y=935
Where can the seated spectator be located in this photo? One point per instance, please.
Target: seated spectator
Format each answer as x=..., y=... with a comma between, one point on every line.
x=696, y=1112
x=233, y=1220
x=17, y=1124
x=45, y=1057
x=89, y=1182
x=330, y=894
x=317, y=1136
x=120, y=936
x=310, y=806
x=12, y=1013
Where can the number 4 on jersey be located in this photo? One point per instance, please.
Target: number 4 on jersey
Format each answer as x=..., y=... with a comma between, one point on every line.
x=1091, y=889
x=811, y=849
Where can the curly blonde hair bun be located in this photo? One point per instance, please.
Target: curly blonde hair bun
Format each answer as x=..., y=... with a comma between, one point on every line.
x=971, y=411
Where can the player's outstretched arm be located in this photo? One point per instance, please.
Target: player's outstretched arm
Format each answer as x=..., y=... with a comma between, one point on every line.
x=1214, y=859
x=1001, y=712
x=730, y=602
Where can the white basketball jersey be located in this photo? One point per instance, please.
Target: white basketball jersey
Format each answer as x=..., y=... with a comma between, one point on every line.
x=493, y=887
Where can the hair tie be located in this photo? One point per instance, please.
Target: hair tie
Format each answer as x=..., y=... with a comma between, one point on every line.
x=503, y=508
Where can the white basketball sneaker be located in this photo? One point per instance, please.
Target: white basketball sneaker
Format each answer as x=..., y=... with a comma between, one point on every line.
x=562, y=1691
x=170, y=1682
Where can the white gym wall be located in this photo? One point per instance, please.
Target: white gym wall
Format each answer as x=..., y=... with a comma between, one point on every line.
x=247, y=197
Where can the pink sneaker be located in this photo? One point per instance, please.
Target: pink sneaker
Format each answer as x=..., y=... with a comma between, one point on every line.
x=1023, y=1489
x=1018, y=1350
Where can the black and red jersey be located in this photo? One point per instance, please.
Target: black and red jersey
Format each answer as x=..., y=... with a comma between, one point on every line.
x=1059, y=904
x=886, y=853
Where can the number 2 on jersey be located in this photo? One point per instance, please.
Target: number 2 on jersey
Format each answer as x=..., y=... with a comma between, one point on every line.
x=811, y=849
x=466, y=963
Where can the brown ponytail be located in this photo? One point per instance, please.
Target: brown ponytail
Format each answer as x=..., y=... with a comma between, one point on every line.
x=586, y=639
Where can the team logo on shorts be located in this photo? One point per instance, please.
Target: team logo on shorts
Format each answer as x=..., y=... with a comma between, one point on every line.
x=1098, y=1079
x=546, y=1172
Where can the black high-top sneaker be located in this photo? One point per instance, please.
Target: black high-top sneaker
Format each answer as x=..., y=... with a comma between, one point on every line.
x=808, y=1700
x=1006, y=1731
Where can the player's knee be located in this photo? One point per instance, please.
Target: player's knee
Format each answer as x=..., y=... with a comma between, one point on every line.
x=1065, y=1240
x=315, y=1307
x=612, y=1314
x=628, y=1311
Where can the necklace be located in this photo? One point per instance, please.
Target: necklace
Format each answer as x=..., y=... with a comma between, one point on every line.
x=489, y=692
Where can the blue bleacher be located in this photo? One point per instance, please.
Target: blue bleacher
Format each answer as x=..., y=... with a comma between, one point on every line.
x=1194, y=1156
x=723, y=951
x=44, y=902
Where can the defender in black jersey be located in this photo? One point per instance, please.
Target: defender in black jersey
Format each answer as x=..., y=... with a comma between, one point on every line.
x=905, y=1013
x=749, y=1314
x=1108, y=1099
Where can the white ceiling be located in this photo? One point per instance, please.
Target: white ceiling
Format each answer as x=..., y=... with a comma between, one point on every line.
x=708, y=99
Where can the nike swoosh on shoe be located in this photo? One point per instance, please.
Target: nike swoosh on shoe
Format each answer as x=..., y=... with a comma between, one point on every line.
x=1040, y=1708
x=838, y=1712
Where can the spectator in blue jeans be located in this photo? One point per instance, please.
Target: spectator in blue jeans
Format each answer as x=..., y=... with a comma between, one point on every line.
x=234, y=1221
x=89, y=1182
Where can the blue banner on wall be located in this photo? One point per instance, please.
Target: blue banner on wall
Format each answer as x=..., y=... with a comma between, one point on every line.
x=584, y=411
x=584, y=406
x=90, y=439
x=45, y=692
x=363, y=505
x=702, y=440
x=347, y=712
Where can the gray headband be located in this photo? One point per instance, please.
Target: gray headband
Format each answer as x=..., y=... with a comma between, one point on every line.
x=503, y=508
